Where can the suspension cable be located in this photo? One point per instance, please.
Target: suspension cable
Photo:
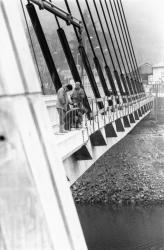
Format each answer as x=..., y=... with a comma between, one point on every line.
x=124, y=38
x=95, y=59
x=86, y=62
x=121, y=84
x=118, y=45
x=79, y=41
x=115, y=36
x=86, y=29
x=68, y=8
x=130, y=40
x=33, y=50
x=119, y=34
x=94, y=26
x=127, y=42
x=52, y=5
x=134, y=84
x=127, y=61
x=125, y=83
x=104, y=34
x=108, y=72
x=110, y=36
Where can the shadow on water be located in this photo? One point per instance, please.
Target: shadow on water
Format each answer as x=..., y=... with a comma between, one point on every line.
x=125, y=228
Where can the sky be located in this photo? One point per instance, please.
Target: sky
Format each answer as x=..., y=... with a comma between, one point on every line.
x=146, y=24
x=146, y=19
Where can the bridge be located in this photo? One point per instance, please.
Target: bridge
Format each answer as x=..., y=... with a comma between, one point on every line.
x=81, y=148
x=38, y=165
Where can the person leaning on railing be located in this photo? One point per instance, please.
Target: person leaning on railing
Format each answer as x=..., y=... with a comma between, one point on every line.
x=62, y=105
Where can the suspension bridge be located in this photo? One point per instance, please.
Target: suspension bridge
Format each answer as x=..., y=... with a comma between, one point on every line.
x=38, y=165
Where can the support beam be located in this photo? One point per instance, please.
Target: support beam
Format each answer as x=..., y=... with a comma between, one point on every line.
x=83, y=154
x=136, y=115
x=126, y=122
x=119, y=125
x=110, y=131
x=50, y=7
x=131, y=117
x=97, y=138
x=143, y=110
x=139, y=112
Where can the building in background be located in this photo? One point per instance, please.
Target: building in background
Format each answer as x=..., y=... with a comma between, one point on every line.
x=145, y=70
x=157, y=77
x=157, y=74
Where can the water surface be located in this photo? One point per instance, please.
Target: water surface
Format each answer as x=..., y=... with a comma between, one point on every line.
x=122, y=228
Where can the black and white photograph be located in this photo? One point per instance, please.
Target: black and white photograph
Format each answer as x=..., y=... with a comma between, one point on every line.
x=81, y=124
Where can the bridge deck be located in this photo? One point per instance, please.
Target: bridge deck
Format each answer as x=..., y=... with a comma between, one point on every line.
x=79, y=149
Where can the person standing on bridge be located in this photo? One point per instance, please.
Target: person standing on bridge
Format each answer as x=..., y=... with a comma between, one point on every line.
x=77, y=98
x=62, y=105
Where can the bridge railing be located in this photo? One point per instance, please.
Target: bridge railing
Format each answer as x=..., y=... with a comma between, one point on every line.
x=78, y=118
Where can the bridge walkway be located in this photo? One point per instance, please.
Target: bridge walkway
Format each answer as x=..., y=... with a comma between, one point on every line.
x=80, y=148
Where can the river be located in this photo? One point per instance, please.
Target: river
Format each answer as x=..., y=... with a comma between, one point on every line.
x=134, y=168
x=132, y=172
x=124, y=228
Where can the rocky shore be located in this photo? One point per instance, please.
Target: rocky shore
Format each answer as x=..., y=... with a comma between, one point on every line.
x=132, y=172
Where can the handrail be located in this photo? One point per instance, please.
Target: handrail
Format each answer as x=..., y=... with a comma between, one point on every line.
x=76, y=118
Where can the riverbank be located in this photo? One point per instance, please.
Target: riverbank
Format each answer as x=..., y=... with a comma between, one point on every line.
x=132, y=172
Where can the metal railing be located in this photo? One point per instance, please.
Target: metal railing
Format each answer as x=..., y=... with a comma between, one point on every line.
x=78, y=118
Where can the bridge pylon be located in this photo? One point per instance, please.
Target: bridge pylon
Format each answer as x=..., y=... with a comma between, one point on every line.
x=37, y=208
